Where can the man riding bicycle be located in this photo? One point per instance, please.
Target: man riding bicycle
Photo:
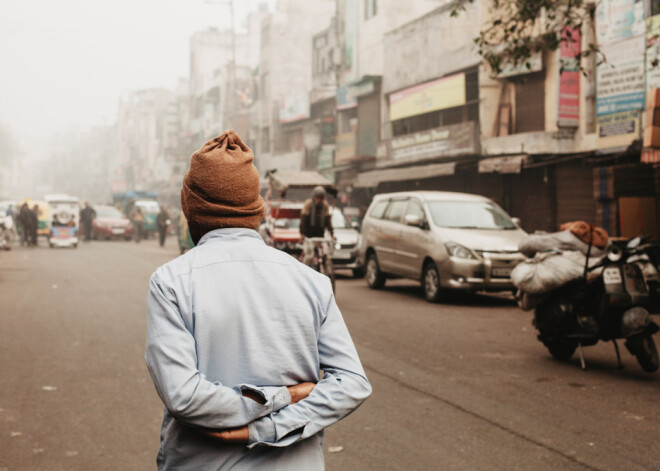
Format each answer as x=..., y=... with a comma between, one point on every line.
x=314, y=220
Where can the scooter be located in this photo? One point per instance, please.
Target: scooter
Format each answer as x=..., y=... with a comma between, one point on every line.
x=613, y=304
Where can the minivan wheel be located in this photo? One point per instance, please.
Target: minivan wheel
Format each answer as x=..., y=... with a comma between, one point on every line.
x=375, y=277
x=431, y=283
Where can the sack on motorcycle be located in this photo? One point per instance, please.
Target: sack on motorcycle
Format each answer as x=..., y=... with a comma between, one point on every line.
x=548, y=271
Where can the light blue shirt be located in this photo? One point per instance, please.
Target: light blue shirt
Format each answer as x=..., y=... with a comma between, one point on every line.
x=234, y=314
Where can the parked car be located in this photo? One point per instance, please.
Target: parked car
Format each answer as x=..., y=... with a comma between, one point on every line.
x=110, y=223
x=345, y=255
x=444, y=240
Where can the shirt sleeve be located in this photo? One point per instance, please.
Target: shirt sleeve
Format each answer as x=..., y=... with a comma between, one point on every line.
x=191, y=398
x=343, y=388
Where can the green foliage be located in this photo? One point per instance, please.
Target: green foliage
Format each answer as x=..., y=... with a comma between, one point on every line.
x=522, y=28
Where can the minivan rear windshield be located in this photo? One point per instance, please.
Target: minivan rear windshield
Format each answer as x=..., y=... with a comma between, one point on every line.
x=469, y=215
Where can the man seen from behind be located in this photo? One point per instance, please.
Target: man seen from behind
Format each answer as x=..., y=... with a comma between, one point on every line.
x=238, y=333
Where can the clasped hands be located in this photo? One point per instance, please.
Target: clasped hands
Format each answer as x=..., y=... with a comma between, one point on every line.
x=240, y=435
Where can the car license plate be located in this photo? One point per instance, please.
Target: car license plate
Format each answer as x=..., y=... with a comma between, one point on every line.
x=341, y=255
x=119, y=230
x=501, y=272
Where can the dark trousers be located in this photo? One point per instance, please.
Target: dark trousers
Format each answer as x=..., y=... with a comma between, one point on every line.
x=88, y=230
x=138, y=231
x=162, y=232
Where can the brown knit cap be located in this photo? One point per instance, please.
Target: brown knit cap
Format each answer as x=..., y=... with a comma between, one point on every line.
x=221, y=188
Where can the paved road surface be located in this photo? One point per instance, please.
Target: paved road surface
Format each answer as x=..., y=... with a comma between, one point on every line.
x=458, y=386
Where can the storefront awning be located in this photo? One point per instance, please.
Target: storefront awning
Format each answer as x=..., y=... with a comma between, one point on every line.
x=374, y=177
x=509, y=164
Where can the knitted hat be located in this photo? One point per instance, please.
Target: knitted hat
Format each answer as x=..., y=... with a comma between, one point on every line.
x=221, y=188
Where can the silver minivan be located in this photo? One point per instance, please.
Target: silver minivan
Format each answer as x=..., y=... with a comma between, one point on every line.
x=444, y=240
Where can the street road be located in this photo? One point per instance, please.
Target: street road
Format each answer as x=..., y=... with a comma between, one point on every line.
x=458, y=386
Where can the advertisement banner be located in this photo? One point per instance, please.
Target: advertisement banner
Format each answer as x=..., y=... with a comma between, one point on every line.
x=294, y=108
x=568, y=106
x=440, y=94
x=620, y=80
x=653, y=52
x=619, y=19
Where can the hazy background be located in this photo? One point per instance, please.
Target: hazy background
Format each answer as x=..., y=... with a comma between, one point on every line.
x=65, y=63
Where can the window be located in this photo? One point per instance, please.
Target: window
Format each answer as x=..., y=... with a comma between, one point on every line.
x=470, y=215
x=378, y=209
x=415, y=209
x=370, y=9
x=530, y=102
x=395, y=210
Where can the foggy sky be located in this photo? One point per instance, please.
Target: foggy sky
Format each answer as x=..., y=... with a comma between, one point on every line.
x=65, y=63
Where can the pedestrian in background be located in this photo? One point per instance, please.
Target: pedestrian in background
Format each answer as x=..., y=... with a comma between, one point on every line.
x=87, y=216
x=237, y=333
x=162, y=222
x=34, y=224
x=138, y=223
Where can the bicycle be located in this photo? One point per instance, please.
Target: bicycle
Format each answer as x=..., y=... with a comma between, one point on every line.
x=322, y=256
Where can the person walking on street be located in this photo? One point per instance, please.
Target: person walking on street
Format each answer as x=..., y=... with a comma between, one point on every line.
x=315, y=219
x=237, y=333
x=162, y=222
x=138, y=223
x=26, y=220
x=34, y=224
x=87, y=216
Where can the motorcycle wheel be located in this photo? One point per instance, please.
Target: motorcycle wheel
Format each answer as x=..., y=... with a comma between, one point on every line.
x=646, y=353
x=561, y=350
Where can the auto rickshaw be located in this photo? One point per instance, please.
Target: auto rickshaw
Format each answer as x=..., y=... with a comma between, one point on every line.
x=64, y=221
x=185, y=241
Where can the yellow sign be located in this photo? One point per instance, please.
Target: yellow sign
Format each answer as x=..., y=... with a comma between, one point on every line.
x=617, y=129
x=439, y=94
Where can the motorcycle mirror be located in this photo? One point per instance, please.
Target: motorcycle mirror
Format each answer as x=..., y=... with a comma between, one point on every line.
x=634, y=243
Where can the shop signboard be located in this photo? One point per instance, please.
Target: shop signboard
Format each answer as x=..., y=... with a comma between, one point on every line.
x=294, y=108
x=620, y=80
x=440, y=94
x=653, y=52
x=328, y=129
x=345, y=99
x=617, y=129
x=568, y=102
x=345, y=150
x=533, y=64
x=326, y=157
x=450, y=140
x=619, y=19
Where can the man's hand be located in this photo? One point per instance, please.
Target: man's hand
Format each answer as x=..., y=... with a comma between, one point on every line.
x=300, y=391
x=238, y=436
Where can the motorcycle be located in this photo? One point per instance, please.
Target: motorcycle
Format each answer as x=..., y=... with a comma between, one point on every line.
x=611, y=301
x=321, y=248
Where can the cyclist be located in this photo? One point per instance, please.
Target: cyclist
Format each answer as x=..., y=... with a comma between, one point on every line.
x=315, y=219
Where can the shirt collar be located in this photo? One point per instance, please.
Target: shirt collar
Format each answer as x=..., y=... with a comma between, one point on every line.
x=229, y=233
